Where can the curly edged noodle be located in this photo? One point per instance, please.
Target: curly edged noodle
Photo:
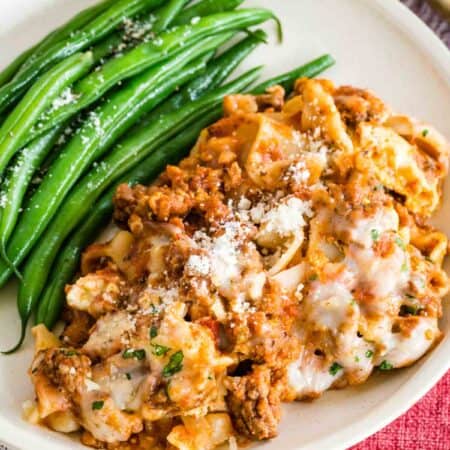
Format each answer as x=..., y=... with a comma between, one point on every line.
x=322, y=271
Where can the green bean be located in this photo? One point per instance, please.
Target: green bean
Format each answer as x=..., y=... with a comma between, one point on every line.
x=93, y=32
x=59, y=34
x=288, y=79
x=53, y=297
x=18, y=177
x=7, y=74
x=217, y=72
x=64, y=31
x=106, y=47
x=126, y=155
x=206, y=8
x=52, y=302
x=145, y=55
x=37, y=100
x=167, y=14
x=109, y=121
x=66, y=265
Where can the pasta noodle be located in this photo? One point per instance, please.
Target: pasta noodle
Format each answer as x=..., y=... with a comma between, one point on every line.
x=288, y=254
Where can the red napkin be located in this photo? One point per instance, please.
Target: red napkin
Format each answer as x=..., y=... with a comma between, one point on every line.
x=426, y=426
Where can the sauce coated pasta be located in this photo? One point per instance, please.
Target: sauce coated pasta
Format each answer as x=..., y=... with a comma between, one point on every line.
x=288, y=254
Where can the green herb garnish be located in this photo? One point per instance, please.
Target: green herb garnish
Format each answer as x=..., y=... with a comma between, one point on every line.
x=128, y=375
x=369, y=354
x=409, y=310
x=425, y=133
x=97, y=405
x=175, y=364
x=153, y=332
x=375, y=234
x=400, y=243
x=404, y=267
x=160, y=350
x=313, y=277
x=385, y=366
x=335, y=368
x=356, y=358
x=138, y=354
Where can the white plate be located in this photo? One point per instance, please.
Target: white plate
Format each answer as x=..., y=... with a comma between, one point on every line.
x=378, y=44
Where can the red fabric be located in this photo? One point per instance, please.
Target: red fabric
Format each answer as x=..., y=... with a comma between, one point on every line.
x=426, y=426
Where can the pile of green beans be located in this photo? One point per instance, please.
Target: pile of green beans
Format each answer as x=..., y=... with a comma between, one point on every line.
x=78, y=40
x=28, y=56
x=90, y=107
x=96, y=84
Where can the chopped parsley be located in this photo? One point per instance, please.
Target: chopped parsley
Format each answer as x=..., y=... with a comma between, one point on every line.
x=128, y=375
x=166, y=389
x=335, y=368
x=138, y=354
x=409, y=310
x=410, y=296
x=70, y=353
x=404, y=267
x=385, y=366
x=400, y=243
x=375, y=234
x=153, y=332
x=160, y=350
x=425, y=133
x=378, y=187
x=174, y=365
x=369, y=354
x=97, y=405
x=313, y=277
x=356, y=358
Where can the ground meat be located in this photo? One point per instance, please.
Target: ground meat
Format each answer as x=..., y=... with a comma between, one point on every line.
x=65, y=368
x=358, y=105
x=254, y=404
x=78, y=324
x=125, y=201
x=273, y=99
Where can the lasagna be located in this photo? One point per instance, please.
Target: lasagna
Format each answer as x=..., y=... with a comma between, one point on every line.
x=288, y=254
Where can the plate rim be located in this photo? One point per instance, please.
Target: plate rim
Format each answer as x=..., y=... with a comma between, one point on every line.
x=439, y=56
